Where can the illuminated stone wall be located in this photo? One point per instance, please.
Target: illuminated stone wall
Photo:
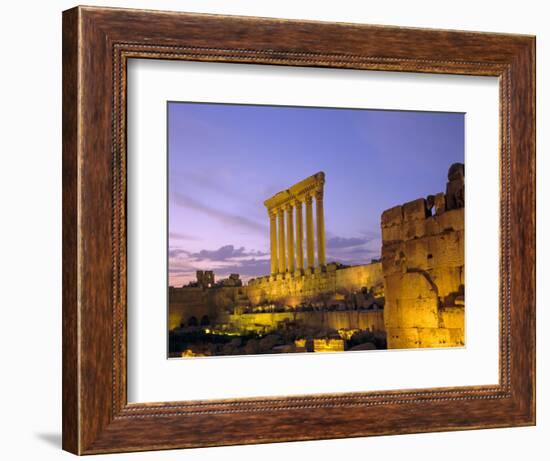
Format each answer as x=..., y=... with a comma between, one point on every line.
x=187, y=303
x=423, y=269
x=262, y=323
x=340, y=286
x=323, y=288
x=419, y=281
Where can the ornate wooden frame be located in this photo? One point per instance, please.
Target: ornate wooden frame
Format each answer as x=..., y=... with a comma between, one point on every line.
x=97, y=43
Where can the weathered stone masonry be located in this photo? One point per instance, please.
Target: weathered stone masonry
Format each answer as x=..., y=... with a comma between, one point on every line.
x=423, y=269
x=420, y=280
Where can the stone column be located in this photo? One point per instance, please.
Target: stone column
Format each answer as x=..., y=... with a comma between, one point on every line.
x=299, y=237
x=290, y=237
x=321, y=258
x=309, y=233
x=282, y=246
x=273, y=241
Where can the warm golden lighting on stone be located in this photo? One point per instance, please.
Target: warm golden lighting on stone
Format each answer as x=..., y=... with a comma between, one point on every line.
x=413, y=297
x=290, y=202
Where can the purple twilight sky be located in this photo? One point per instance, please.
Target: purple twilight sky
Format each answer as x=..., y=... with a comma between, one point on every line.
x=225, y=160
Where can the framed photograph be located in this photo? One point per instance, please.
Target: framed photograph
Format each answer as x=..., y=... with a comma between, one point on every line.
x=280, y=230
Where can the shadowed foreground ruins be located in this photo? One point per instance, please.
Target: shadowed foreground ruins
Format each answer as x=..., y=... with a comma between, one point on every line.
x=413, y=297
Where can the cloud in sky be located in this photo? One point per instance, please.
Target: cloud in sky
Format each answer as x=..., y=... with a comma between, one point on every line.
x=222, y=216
x=181, y=236
x=177, y=252
x=353, y=250
x=223, y=261
x=226, y=252
x=359, y=255
x=344, y=242
x=225, y=159
x=249, y=263
x=248, y=268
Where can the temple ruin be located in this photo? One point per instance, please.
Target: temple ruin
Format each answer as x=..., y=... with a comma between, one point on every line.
x=412, y=298
x=287, y=249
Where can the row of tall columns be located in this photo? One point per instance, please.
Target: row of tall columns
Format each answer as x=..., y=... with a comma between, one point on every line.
x=287, y=242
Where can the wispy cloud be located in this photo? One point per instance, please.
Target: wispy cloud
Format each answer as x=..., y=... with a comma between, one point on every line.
x=357, y=256
x=226, y=252
x=222, y=216
x=182, y=236
x=353, y=250
x=177, y=252
x=246, y=268
x=345, y=242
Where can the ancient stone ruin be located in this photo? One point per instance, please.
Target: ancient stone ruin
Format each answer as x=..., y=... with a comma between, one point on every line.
x=284, y=257
x=423, y=269
x=413, y=297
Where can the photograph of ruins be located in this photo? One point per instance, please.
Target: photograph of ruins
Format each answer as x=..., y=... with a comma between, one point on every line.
x=302, y=229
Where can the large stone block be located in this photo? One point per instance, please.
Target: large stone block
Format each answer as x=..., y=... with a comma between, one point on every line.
x=452, y=220
x=445, y=250
x=440, y=203
x=392, y=216
x=447, y=279
x=416, y=253
x=415, y=210
x=413, y=229
x=434, y=337
x=402, y=338
x=410, y=285
x=451, y=317
x=456, y=337
x=431, y=226
x=411, y=313
x=392, y=259
x=391, y=234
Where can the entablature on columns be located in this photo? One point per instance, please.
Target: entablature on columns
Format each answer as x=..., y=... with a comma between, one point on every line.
x=313, y=185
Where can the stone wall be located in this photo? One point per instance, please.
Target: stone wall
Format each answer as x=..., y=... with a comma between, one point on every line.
x=419, y=282
x=188, y=303
x=371, y=320
x=334, y=285
x=423, y=271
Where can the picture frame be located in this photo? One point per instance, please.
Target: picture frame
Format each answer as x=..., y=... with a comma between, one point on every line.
x=97, y=44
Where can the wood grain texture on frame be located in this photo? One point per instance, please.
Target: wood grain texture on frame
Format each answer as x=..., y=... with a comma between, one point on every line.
x=97, y=42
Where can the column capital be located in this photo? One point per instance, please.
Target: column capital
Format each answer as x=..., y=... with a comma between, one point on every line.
x=319, y=194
